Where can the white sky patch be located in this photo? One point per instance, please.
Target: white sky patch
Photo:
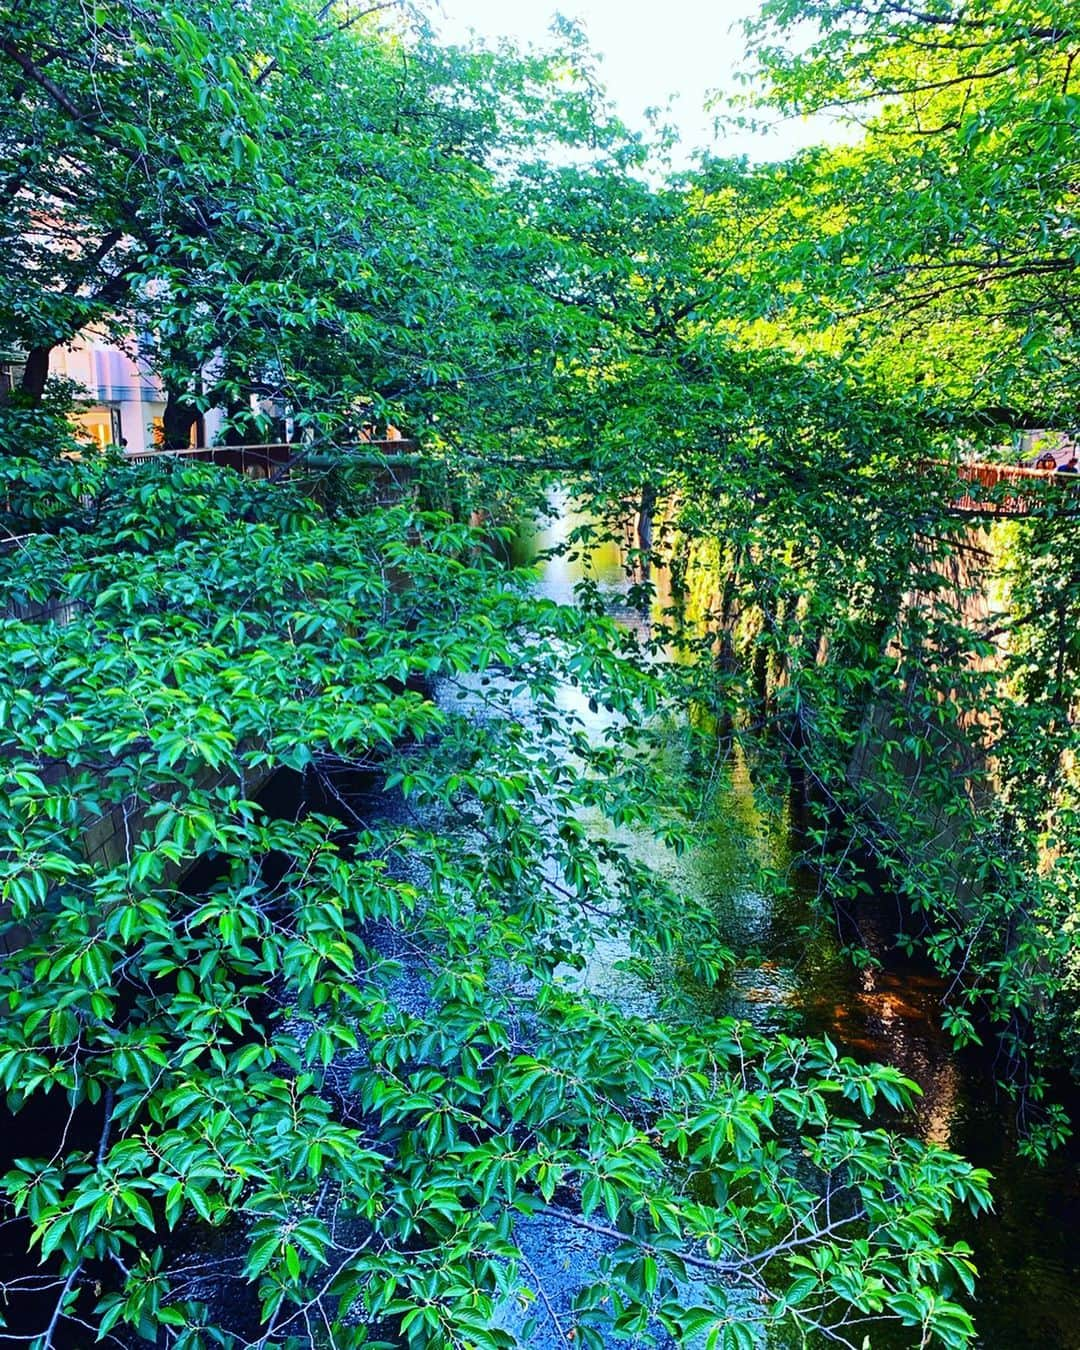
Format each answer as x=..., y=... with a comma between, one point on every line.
x=651, y=52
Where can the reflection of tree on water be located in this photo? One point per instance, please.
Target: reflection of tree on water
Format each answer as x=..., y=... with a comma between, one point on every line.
x=793, y=977
x=895, y=1016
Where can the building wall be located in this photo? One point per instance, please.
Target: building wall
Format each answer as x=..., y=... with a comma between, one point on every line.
x=125, y=400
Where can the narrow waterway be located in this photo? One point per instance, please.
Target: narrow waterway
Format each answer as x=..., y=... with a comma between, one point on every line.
x=792, y=977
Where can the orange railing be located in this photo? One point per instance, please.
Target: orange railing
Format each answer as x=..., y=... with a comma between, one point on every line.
x=991, y=483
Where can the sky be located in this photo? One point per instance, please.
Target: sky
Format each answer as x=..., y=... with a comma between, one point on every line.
x=651, y=51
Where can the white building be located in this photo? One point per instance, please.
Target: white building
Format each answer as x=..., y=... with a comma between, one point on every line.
x=125, y=401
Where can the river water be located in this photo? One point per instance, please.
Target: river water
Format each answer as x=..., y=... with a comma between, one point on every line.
x=792, y=977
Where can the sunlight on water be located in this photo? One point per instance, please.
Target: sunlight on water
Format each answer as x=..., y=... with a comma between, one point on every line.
x=791, y=976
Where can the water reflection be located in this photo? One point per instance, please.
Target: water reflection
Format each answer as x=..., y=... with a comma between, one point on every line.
x=792, y=976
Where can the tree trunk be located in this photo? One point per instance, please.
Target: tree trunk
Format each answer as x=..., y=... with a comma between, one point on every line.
x=36, y=372
x=646, y=511
x=177, y=421
x=235, y=433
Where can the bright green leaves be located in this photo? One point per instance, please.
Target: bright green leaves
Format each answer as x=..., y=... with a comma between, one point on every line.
x=353, y=1034
x=311, y=228
x=338, y=1023
x=937, y=239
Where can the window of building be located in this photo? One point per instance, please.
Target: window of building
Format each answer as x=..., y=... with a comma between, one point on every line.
x=100, y=425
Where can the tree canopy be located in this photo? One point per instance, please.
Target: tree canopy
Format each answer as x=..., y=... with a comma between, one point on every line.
x=938, y=245
x=306, y=849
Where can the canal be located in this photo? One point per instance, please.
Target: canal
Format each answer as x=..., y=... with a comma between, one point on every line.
x=791, y=976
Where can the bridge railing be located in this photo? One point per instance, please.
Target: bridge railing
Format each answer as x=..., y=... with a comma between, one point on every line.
x=1009, y=489
x=272, y=459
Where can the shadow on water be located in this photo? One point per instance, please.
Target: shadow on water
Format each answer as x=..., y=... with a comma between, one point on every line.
x=792, y=977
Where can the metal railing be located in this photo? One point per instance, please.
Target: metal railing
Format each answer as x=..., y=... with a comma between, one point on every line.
x=1009, y=489
x=273, y=460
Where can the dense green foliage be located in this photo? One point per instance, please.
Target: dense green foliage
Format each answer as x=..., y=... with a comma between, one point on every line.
x=780, y=377
x=306, y=850
x=930, y=259
x=348, y=1045
x=938, y=245
x=302, y=208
